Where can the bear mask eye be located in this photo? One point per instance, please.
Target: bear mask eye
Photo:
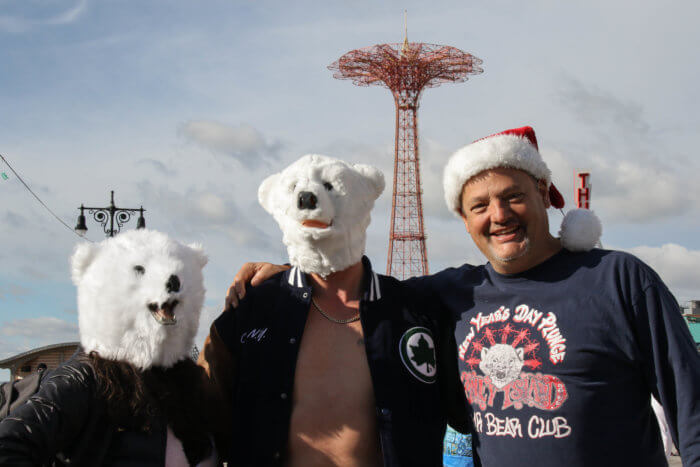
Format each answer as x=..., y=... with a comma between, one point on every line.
x=328, y=186
x=140, y=270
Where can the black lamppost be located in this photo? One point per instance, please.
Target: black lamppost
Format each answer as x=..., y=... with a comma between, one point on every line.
x=109, y=215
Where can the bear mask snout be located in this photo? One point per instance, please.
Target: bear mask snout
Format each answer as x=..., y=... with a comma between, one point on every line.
x=307, y=200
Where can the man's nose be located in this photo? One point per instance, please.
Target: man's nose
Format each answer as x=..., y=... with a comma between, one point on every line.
x=307, y=200
x=501, y=212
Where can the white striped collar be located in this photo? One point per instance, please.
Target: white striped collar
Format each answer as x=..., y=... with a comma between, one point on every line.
x=297, y=279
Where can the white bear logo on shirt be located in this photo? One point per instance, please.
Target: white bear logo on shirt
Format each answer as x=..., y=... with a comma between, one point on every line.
x=502, y=363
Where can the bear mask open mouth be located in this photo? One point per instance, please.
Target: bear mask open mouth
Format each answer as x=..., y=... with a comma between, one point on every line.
x=316, y=224
x=165, y=313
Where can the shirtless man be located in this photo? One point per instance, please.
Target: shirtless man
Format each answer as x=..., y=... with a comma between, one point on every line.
x=329, y=363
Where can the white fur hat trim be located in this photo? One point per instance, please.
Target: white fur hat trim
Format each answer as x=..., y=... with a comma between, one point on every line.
x=502, y=150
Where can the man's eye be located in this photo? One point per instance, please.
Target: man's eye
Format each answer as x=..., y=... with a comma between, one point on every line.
x=478, y=208
x=328, y=186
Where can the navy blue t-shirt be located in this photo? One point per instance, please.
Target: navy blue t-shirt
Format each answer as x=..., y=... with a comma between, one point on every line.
x=558, y=363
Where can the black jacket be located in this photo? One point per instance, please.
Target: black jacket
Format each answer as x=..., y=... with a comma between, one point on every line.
x=66, y=423
x=410, y=351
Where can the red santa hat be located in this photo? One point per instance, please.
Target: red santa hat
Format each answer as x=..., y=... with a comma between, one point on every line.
x=517, y=148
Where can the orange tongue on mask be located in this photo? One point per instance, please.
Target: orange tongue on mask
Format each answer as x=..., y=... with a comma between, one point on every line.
x=314, y=223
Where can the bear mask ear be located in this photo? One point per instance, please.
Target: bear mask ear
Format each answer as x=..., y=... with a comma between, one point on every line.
x=374, y=176
x=198, y=252
x=266, y=190
x=82, y=257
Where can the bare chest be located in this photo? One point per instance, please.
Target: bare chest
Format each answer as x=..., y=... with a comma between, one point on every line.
x=332, y=362
x=333, y=411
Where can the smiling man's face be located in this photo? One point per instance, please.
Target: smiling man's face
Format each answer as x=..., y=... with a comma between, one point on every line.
x=505, y=212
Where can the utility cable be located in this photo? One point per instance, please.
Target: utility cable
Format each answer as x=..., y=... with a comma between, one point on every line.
x=40, y=201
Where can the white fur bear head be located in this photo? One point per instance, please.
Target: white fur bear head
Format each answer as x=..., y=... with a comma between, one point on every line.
x=323, y=207
x=140, y=295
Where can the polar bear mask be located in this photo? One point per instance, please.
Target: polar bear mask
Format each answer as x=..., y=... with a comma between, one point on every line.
x=323, y=207
x=140, y=296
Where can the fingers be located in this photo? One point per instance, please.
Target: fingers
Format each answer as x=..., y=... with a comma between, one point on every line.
x=252, y=273
x=239, y=287
x=265, y=271
x=231, y=298
x=236, y=291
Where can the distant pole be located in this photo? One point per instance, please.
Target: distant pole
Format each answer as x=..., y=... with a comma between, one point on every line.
x=406, y=69
x=109, y=215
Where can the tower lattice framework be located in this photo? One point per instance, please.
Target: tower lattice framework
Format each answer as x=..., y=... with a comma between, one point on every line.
x=406, y=69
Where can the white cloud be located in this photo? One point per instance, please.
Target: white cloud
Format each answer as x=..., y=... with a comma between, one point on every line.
x=677, y=266
x=13, y=290
x=25, y=21
x=242, y=142
x=69, y=15
x=159, y=166
x=195, y=211
x=624, y=189
x=41, y=329
x=599, y=108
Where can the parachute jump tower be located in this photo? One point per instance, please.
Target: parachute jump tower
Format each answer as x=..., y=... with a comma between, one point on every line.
x=406, y=69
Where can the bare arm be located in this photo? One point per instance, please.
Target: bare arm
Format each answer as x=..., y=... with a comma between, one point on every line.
x=253, y=274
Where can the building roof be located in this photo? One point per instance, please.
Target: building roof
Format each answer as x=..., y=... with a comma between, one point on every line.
x=694, y=329
x=7, y=363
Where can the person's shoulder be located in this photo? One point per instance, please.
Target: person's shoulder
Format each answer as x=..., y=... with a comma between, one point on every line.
x=448, y=277
x=465, y=269
x=256, y=298
x=621, y=264
x=263, y=292
x=614, y=258
x=78, y=371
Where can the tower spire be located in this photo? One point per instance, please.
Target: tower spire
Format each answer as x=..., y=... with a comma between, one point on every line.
x=420, y=66
x=405, y=46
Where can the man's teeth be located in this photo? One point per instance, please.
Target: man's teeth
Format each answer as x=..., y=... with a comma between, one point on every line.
x=506, y=232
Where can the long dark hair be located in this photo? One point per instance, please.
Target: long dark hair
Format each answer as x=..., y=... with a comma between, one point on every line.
x=135, y=398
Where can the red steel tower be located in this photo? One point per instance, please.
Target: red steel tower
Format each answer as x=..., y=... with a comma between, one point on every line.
x=406, y=69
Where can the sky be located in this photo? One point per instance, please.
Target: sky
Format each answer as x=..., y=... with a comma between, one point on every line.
x=185, y=107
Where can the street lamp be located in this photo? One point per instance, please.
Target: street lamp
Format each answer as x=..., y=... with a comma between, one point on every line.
x=110, y=214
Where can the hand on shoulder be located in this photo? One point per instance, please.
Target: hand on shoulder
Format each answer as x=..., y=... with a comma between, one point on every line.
x=253, y=273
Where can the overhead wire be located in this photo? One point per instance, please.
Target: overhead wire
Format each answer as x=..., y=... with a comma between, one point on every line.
x=39, y=199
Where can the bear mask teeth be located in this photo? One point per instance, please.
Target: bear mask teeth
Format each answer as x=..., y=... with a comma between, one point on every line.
x=164, y=314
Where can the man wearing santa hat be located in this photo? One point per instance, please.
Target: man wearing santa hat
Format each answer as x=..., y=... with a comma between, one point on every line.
x=560, y=345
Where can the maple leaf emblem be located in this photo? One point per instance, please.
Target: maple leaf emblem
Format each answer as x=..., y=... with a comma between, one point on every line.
x=423, y=353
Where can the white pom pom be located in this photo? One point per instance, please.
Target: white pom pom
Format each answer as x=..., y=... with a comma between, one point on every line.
x=580, y=230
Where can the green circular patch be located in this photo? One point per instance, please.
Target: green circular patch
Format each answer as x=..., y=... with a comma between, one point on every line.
x=417, y=349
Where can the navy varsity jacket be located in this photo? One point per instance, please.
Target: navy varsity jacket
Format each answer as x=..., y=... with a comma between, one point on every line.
x=410, y=351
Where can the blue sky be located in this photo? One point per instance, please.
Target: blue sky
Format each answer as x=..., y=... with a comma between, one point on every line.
x=185, y=107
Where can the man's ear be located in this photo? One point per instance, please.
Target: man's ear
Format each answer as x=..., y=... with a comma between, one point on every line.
x=464, y=219
x=461, y=211
x=544, y=193
x=266, y=190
